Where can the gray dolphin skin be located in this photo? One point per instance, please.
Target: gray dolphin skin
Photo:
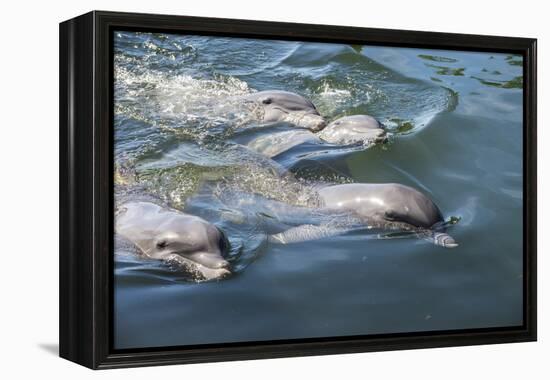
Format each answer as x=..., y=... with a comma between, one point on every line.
x=353, y=129
x=276, y=143
x=346, y=130
x=173, y=236
x=388, y=202
x=381, y=204
x=384, y=201
x=284, y=106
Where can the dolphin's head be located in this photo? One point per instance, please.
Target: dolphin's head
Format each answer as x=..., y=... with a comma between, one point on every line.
x=197, y=247
x=352, y=129
x=313, y=122
x=282, y=106
x=406, y=204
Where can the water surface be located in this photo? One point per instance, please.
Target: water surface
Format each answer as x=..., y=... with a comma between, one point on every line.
x=456, y=134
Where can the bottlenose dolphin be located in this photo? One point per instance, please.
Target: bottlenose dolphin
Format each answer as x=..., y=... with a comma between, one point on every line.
x=173, y=236
x=353, y=129
x=348, y=130
x=388, y=205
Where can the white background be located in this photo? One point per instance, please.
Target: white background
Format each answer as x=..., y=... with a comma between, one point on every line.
x=29, y=186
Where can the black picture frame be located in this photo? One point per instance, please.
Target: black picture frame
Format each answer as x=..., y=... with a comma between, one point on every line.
x=86, y=189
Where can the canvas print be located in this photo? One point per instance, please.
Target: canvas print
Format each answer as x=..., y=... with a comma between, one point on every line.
x=273, y=190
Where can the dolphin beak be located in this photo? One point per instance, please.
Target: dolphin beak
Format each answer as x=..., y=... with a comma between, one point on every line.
x=219, y=273
x=318, y=126
x=210, y=260
x=223, y=264
x=381, y=136
x=199, y=271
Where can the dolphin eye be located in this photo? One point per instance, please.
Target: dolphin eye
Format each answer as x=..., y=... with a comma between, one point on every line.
x=267, y=101
x=162, y=244
x=390, y=215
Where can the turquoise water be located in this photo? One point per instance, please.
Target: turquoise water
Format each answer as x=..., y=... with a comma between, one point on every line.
x=456, y=134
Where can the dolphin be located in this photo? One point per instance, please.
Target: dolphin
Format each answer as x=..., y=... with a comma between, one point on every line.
x=387, y=205
x=189, y=241
x=353, y=129
x=347, y=130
